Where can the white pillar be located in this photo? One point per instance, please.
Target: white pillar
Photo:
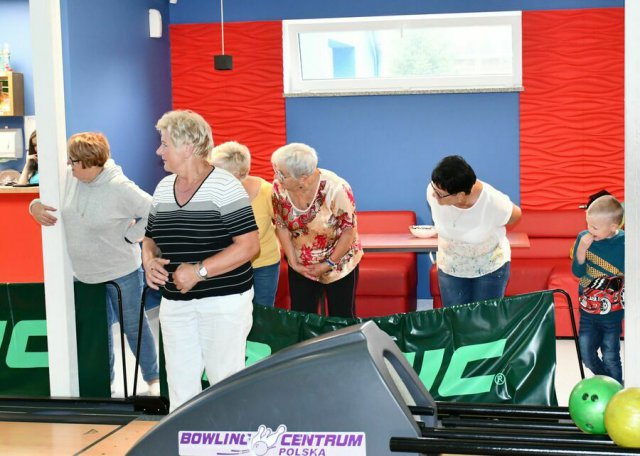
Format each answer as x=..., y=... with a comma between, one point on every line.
x=46, y=36
x=632, y=191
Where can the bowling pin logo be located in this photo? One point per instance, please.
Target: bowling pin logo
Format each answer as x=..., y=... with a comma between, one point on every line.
x=265, y=439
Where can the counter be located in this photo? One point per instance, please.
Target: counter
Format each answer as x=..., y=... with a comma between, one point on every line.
x=13, y=190
x=20, y=237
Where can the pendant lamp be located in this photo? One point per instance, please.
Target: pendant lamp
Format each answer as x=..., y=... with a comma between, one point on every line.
x=222, y=61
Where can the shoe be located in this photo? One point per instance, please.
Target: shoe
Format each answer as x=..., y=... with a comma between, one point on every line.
x=154, y=389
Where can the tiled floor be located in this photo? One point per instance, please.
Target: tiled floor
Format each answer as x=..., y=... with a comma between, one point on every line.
x=118, y=385
x=567, y=370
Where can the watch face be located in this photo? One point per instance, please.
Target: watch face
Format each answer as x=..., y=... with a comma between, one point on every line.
x=203, y=272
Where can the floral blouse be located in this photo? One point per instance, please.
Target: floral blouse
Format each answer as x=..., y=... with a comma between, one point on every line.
x=315, y=231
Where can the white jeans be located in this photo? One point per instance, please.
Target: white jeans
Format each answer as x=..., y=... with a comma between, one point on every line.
x=208, y=333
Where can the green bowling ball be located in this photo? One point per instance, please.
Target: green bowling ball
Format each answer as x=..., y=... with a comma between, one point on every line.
x=622, y=418
x=588, y=401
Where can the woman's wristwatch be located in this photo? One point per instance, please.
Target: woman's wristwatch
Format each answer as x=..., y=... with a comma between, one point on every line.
x=331, y=263
x=201, y=270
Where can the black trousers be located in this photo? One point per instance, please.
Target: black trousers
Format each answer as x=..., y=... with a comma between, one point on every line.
x=307, y=294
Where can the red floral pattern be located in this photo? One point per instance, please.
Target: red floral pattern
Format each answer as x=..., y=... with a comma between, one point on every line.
x=315, y=231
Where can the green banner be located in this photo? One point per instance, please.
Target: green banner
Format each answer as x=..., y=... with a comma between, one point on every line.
x=500, y=351
x=24, y=361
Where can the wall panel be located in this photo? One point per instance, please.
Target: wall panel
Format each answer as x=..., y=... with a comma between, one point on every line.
x=572, y=108
x=245, y=104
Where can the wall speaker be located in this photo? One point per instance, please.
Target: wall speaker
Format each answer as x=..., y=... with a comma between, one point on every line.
x=223, y=62
x=155, y=24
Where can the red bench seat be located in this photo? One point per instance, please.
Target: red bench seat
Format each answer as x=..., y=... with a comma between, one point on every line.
x=387, y=281
x=545, y=265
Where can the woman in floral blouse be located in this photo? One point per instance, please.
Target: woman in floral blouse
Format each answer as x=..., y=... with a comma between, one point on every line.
x=315, y=215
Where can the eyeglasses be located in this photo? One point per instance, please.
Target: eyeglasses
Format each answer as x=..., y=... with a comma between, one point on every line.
x=281, y=177
x=437, y=194
x=72, y=161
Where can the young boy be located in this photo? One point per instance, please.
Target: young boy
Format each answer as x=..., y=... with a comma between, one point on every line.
x=599, y=253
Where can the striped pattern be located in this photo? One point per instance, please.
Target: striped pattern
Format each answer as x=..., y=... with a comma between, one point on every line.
x=603, y=269
x=572, y=107
x=204, y=226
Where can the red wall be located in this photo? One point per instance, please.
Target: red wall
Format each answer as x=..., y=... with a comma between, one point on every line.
x=571, y=110
x=20, y=241
x=572, y=107
x=245, y=104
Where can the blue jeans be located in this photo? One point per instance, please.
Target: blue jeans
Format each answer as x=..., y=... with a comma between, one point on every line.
x=601, y=332
x=131, y=287
x=265, y=284
x=462, y=290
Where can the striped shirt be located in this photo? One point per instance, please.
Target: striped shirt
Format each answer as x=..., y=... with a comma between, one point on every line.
x=603, y=258
x=218, y=211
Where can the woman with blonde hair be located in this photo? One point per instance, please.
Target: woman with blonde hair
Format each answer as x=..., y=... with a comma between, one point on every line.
x=198, y=247
x=104, y=216
x=235, y=158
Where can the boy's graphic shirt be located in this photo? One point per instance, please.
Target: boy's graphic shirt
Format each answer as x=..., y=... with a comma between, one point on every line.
x=604, y=258
x=603, y=295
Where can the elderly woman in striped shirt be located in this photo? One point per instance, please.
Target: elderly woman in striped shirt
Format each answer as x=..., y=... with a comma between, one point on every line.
x=200, y=239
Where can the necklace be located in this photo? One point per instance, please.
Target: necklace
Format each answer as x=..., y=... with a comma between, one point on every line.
x=189, y=188
x=304, y=197
x=454, y=222
x=184, y=195
x=301, y=202
x=193, y=186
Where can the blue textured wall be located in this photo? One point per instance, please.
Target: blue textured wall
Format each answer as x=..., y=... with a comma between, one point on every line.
x=14, y=29
x=386, y=146
x=117, y=79
x=194, y=11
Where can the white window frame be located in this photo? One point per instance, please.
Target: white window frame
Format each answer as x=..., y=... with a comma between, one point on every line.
x=294, y=85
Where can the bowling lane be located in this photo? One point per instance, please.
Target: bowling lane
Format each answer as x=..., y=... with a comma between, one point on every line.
x=120, y=441
x=29, y=439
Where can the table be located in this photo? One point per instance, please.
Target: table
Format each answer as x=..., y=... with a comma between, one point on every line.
x=406, y=242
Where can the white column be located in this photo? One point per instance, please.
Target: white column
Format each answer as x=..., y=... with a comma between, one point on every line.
x=632, y=191
x=46, y=36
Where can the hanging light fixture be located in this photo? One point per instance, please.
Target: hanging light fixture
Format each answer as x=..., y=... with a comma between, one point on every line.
x=222, y=61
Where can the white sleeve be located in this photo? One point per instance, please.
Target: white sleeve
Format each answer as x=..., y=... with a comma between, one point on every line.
x=504, y=207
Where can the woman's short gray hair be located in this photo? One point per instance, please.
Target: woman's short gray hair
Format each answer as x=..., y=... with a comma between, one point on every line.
x=299, y=159
x=233, y=157
x=188, y=128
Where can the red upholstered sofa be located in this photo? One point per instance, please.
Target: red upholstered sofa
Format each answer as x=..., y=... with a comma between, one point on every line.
x=387, y=281
x=545, y=264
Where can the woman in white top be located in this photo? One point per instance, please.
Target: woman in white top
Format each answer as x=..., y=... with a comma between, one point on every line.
x=470, y=217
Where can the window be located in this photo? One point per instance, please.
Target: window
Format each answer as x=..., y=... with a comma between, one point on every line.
x=403, y=54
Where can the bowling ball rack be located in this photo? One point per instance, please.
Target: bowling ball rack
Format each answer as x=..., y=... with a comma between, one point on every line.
x=494, y=429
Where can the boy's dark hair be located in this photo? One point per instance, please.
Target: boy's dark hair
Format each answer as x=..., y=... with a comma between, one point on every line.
x=594, y=197
x=454, y=175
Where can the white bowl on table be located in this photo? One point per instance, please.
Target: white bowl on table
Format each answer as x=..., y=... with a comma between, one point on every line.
x=423, y=231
